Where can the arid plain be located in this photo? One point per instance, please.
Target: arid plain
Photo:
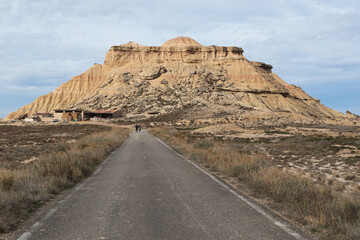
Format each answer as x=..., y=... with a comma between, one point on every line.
x=234, y=117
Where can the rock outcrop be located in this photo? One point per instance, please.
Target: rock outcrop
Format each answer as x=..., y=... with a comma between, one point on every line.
x=181, y=76
x=151, y=73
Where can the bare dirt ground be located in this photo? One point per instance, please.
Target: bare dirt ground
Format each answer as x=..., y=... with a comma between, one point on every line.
x=23, y=143
x=327, y=154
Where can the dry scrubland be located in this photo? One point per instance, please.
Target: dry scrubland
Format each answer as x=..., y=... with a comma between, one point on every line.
x=22, y=144
x=320, y=206
x=24, y=187
x=328, y=154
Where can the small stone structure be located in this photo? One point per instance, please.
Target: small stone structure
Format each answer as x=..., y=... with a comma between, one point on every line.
x=32, y=119
x=82, y=115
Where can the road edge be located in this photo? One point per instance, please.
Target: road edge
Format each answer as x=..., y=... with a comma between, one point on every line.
x=62, y=200
x=282, y=224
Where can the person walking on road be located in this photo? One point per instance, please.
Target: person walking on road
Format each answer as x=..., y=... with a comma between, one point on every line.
x=136, y=128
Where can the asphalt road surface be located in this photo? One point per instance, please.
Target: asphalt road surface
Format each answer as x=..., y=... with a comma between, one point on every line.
x=145, y=190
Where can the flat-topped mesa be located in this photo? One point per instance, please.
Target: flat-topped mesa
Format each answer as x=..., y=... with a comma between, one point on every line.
x=180, y=49
x=180, y=76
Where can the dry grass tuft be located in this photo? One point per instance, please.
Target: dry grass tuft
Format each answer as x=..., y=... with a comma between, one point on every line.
x=7, y=180
x=24, y=190
x=337, y=215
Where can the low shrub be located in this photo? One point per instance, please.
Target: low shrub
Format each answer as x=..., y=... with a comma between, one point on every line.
x=7, y=179
x=206, y=144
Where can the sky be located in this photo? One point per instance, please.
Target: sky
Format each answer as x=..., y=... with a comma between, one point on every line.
x=312, y=44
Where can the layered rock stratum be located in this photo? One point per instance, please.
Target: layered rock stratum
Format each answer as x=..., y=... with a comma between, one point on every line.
x=185, y=79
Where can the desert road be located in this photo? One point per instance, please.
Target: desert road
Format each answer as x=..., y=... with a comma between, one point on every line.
x=145, y=190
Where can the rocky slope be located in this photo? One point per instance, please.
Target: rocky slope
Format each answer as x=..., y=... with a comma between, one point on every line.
x=182, y=76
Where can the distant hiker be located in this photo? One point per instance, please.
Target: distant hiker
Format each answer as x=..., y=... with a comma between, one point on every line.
x=136, y=128
x=139, y=128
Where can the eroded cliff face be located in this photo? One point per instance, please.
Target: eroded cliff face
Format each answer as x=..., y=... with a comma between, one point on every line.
x=79, y=87
x=181, y=75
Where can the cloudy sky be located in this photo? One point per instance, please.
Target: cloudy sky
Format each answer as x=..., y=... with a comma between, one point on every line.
x=313, y=44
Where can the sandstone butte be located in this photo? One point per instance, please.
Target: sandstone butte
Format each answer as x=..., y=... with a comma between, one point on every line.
x=185, y=79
